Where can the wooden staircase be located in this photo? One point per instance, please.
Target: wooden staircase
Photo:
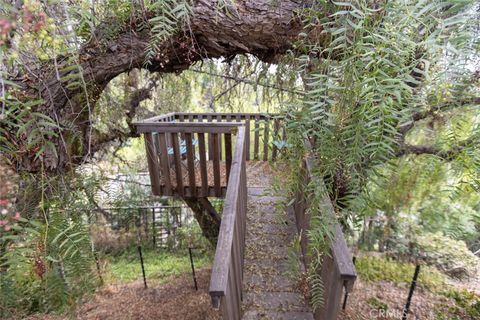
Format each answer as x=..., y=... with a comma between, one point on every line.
x=270, y=288
x=249, y=275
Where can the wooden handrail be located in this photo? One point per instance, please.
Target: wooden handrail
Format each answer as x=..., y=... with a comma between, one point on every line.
x=189, y=116
x=227, y=272
x=191, y=127
x=337, y=270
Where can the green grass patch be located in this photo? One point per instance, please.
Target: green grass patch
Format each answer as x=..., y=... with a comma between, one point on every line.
x=377, y=303
x=159, y=265
x=401, y=273
x=465, y=302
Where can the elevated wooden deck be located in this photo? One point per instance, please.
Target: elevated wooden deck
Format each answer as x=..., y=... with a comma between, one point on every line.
x=187, y=158
x=190, y=155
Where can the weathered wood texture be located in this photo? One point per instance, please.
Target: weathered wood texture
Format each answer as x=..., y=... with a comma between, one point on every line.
x=181, y=146
x=227, y=272
x=337, y=271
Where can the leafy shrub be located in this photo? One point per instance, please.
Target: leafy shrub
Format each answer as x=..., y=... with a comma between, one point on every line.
x=46, y=267
x=386, y=269
x=467, y=305
x=448, y=255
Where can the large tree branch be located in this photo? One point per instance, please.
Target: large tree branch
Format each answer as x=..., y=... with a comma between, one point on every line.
x=99, y=141
x=448, y=155
x=424, y=114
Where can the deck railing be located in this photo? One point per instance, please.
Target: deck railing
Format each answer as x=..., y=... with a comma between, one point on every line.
x=177, y=167
x=227, y=272
x=337, y=270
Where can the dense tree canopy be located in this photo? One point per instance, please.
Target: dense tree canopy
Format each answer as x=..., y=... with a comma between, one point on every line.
x=386, y=92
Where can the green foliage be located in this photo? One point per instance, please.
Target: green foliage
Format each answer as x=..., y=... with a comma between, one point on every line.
x=170, y=16
x=159, y=266
x=365, y=86
x=450, y=256
x=377, y=303
x=367, y=71
x=466, y=302
x=377, y=269
x=47, y=266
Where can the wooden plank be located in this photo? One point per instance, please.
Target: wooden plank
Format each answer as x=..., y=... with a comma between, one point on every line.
x=247, y=138
x=162, y=142
x=223, y=114
x=178, y=163
x=156, y=118
x=210, y=140
x=219, y=119
x=216, y=164
x=181, y=118
x=265, y=139
x=169, y=145
x=228, y=154
x=257, y=137
x=276, y=125
x=152, y=160
x=203, y=164
x=217, y=127
x=191, y=163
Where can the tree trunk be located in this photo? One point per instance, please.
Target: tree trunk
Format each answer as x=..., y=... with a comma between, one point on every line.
x=207, y=217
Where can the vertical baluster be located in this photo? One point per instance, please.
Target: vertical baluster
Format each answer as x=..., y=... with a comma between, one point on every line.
x=191, y=163
x=247, y=137
x=276, y=125
x=152, y=160
x=162, y=142
x=265, y=138
x=219, y=137
x=210, y=140
x=216, y=165
x=228, y=154
x=257, y=138
x=181, y=118
x=178, y=163
x=203, y=164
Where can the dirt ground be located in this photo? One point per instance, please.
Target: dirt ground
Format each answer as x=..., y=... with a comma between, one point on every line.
x=425, y=305
x=175, y=300
x=178, y=300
